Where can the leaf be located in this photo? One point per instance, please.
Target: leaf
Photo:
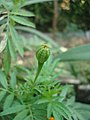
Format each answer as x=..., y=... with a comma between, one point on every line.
x=73, y=114
x=80, y=117
x=23, y=12
x=3, y=80
x=41, y=100
x=7, y=60
x=57, y=115
x=64, y=92
x=8, y=101
x=2, y=94
x=16, y=40
x=29, y=2
x=22, y=21
x=28, y=118
x=21, y=115
x=13, y=79
x=49, y=110
x=81, y=110
x=12, y=110
x=63, y=110
x=3, y=43
x=80, y=106
x=81, y=52
x=12, y=49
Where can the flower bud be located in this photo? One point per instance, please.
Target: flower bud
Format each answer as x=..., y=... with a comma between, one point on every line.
x=43, y=53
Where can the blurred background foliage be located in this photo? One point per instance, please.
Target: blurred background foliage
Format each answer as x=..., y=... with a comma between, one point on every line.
x=69, y=11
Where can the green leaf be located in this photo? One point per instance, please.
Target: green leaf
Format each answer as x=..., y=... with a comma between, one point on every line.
x=23, y=13
x=73, y=113
x=3, y=79
x=29, y=2
x=21, y=115
x=13, y=79
x=2, y=94
x=63, y=110
x=57, y=115
x=80, y=117
x=22, y=21
x=81, y=52
x=7, y=60
x=14, y=109
x=41, y=100
x=16, y=40
x=80, y=106
x=28, y=118
x=64, y=92
x=81, y=110
x=8, y=101
x=12, y=49
x=49, y=110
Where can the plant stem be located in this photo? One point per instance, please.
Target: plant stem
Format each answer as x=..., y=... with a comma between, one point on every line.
x=38, y=70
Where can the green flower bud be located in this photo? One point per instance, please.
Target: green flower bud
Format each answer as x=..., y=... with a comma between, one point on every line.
x=43, y=53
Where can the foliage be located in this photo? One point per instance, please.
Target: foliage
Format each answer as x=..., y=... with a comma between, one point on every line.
x=44, y=14
x=81, y=110
x=30, y=98
x=77, y=53
x=36, y=100
x=81, y=70
x=73, y=13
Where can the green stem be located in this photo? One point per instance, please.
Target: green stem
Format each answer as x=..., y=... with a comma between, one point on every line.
x=40, y=65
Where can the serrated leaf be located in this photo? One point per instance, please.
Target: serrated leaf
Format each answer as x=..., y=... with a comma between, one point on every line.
x=12, y=49
x=13, y=79
x=73, y=114
x=23, y=12
x=64, y=92
x=6, y=60
x=16, y=40
x=49, y=110
x=63, y=110
x=2, y=94
x=21, y=115
x=22, y=21
x=8, y=101
x=12, y=110
x=3, y=79
x=57, y=115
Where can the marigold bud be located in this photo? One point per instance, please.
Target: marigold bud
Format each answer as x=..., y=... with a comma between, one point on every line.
x=43, y=53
